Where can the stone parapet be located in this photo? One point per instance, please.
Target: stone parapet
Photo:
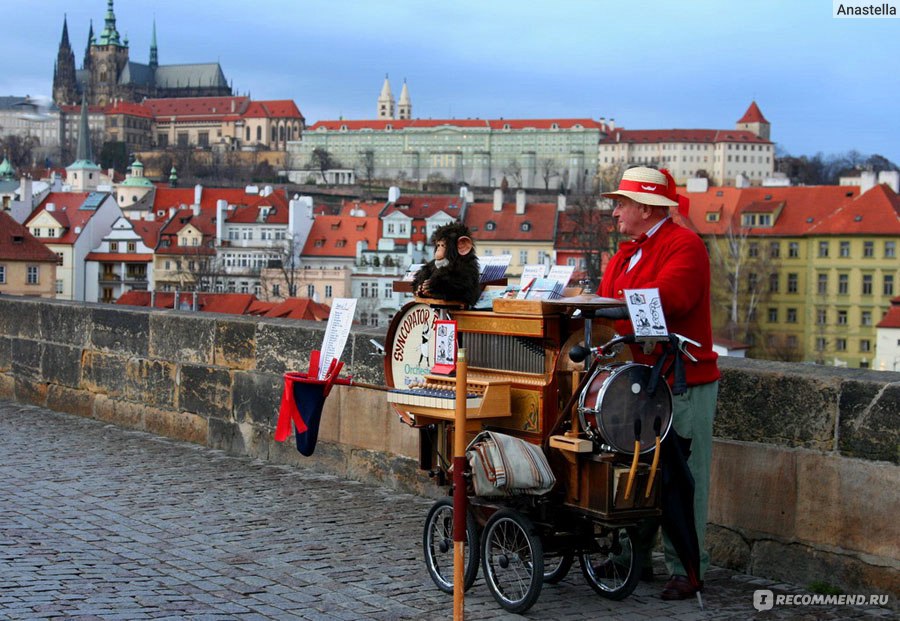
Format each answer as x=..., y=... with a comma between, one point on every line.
x=805, y=474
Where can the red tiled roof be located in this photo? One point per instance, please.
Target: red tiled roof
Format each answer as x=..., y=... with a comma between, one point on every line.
x=681, y=135
x=337, y=236
x=197, y=106
x=128, y=257
x=300, y=308
x=496, y=124
x=891, y=319
x=348, y=205
x=507, y=225
x=249, y=213
x=277, y=108
x=148, y=231
x=66, y=212
x=753, y=115
x=17, y=244
x=131, y=109
x=232, y=303
x=805, y=210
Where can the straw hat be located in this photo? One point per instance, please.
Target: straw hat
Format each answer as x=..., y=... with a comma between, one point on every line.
x=647, y=186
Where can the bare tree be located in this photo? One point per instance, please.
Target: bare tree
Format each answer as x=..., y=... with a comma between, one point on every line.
x=549, y=168
x=323, y=160
x=743, y=269
x=17, y=149
x=608, y=177
x=283, y=276
x=514, y=170
x=365, y=168
x=590, y=230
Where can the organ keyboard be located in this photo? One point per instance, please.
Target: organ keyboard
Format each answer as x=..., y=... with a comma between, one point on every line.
x=436, y=398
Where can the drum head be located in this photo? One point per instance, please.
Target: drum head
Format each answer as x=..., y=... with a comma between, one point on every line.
x=409, y=345
x=616, y=397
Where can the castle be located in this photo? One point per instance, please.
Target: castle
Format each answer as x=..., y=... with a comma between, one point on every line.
x=108, y=74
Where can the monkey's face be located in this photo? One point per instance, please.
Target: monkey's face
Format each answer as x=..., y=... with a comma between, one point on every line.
x=440, y=250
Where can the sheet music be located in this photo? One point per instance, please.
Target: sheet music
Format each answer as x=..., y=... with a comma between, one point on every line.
x=339, y=323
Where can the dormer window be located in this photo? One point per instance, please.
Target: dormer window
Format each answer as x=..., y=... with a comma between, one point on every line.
x=490, y=225
x=526, y=226
x=506, y=126
x=343, y=128
x=554, y=126
x=712, y=216
x=388, y=127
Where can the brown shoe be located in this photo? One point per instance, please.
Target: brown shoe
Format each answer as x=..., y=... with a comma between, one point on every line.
x=679, y=587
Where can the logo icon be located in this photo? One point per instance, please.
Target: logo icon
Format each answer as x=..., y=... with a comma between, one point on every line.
x=763, y=599
x=649, y=188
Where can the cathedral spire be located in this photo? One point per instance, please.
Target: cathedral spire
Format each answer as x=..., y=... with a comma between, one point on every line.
x=64, y=83
x=154, y=58
x=87, y=48
x=404, y=106
x=65, y=35
x=109, y=36
x=386, y=100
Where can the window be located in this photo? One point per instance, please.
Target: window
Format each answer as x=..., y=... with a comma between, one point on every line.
x=822, y=286
x=774, y=250
x=32, y=274
x=840, y=344
x=203, y=139
x=820, y=344
x=794, y=250
x=869, y=249
x=792, y=283
x=867, y=284
x=59, y=285
x=490, y=225
x=132, y=247
x=328, y=291
x=364, y=290
x=888, y=288
x=865, y=318
x=753, y=249
x=821, y=316
x=182, y=139
x=773, y=283
x=843, y=284
x=36, y=232
x=842, y=318
x=773, y=315
x=792, y=315
x=890, y=249
x=387, y=290
x=523, y=257
x=845, y=249
x=823, y=249
x=310, y=291
x=865, y=345
x=791, y=341
x=2, y=274
x=752, y=281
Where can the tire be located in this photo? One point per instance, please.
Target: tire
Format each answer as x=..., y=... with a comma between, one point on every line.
x=512, y=558
x=557, y=566
x=610, y=563
x=437, y=544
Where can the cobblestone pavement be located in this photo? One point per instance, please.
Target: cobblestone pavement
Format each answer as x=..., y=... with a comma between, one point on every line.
x=97, y=522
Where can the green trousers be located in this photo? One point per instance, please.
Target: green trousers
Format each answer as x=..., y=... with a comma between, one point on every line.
x=692, y=418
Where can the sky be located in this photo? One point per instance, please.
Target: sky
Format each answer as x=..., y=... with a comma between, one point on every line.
x=826, y=85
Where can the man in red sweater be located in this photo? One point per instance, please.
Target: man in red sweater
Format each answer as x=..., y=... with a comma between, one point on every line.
x=673, y=259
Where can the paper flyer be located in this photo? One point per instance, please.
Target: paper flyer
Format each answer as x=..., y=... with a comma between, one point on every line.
x=646, y=312
x=339, y=323
x=562, y=274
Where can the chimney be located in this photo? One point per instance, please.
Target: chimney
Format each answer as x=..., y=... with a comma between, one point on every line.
x=51, y=207
x=148, y=216
x=520, y=202
x=561, y=202
x=612, y=123
x=393, y=194
x=891, y=178
x=171, y=211
x=740, y=181
x=221, y=207
x=866, y=181
x=266, y=191
x=198, y=193
x=498, y=200
x=232, y=105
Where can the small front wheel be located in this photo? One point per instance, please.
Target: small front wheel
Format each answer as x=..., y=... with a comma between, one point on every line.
x=557, y=566
x=611, y=563
x=513, y=560
x=437, y=543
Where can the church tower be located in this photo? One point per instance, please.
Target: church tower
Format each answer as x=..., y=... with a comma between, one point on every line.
x=404, y=107
x=83, y=175
x=154, y=55
x=754, y=121
x=109, y=55
x=65, y=87
x=386, y=101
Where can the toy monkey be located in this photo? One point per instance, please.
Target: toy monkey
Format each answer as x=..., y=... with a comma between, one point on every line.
x=453, y=274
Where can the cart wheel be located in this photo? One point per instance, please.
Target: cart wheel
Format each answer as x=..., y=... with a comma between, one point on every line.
x=557, y=566
x=437, y=542
x=513, y=560
x=611, y=565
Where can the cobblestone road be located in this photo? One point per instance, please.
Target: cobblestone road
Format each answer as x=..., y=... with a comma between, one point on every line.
x=97, y=522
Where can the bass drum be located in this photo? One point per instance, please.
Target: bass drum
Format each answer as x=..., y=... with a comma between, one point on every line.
x=617, y=395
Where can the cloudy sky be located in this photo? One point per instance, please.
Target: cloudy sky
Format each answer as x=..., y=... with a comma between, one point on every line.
x=826, y=85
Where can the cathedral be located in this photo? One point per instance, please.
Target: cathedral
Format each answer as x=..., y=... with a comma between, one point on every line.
x=107, y=73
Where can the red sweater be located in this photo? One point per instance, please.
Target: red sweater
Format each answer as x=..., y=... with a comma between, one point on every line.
x=673, y=260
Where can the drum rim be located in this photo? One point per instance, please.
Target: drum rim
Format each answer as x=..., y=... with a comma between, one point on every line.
x=614, y=369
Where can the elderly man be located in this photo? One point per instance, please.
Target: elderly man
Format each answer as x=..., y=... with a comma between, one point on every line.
x=664, y=255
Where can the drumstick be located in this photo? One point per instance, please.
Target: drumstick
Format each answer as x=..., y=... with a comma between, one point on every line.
x=637, y=455
x=657, y=426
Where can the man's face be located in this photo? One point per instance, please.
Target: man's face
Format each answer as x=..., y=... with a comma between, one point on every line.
x=631, y=216
x=440, y=250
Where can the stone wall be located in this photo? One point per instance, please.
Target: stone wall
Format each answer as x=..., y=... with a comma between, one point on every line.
x=806, y=483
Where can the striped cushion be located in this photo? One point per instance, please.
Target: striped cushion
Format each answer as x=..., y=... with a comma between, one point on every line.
x=506, y=466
